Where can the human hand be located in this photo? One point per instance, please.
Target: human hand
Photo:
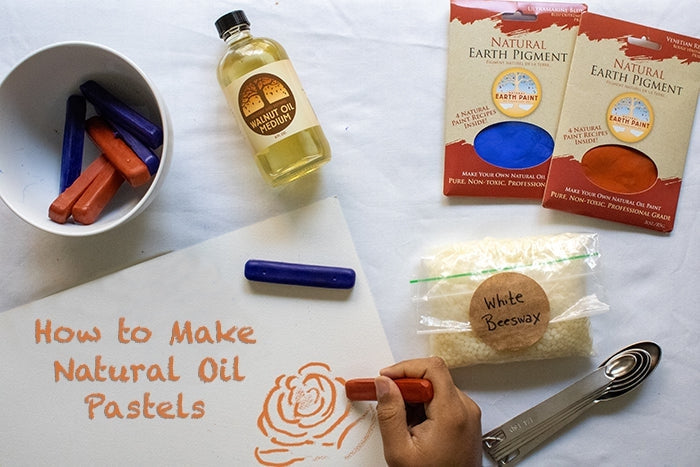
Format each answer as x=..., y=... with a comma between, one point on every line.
x=444, y=431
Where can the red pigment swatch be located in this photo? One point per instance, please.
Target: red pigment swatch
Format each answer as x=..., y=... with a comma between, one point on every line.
x=619, y=169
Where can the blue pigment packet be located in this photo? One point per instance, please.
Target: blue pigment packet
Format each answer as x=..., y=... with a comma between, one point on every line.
x=506, y=75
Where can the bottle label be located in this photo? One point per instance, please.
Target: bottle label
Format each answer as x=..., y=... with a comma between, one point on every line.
x=270, y=104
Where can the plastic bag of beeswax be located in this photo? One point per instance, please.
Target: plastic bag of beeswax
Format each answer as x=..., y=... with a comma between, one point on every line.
x=503, y=300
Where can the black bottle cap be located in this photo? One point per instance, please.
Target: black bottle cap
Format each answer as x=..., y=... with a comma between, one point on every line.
x=231, y=20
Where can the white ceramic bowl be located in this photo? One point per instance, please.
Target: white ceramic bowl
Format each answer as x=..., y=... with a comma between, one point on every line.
x=32, y=115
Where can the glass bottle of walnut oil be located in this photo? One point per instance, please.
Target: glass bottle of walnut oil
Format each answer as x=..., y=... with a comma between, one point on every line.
x=272, y=110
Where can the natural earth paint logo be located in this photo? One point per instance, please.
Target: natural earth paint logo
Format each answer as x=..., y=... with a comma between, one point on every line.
x=516, y=92
x=267, y=104
x=630, y=117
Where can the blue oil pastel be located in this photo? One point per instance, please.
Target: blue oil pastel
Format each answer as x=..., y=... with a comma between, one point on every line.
x=514, y=145
x=73, y=141
x=144, y=153
x=309, y=275
x=120, y=113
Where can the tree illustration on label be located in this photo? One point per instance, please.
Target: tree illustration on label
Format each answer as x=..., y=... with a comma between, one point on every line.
x=266, y=104
x=306, y=417
x=630, y=117
x=516, y=92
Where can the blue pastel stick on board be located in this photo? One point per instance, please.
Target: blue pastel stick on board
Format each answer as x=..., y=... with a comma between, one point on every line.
x=308, y=275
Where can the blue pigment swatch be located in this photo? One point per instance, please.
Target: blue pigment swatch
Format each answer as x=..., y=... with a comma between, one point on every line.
x=514, y=145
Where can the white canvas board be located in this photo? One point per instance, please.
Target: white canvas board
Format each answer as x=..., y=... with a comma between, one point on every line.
x=184, y=361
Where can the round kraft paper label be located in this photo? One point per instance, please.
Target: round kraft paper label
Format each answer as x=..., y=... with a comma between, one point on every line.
x=509, y=311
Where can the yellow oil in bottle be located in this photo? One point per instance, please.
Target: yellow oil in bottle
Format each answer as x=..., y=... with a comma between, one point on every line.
x=296, y=150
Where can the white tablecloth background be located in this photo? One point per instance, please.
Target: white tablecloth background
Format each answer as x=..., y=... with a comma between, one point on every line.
x=375, y=73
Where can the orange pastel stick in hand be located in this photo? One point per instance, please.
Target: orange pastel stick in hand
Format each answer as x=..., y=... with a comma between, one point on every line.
x=413, y=390
x=102, y=189
x=117, y=151
x=60, y=209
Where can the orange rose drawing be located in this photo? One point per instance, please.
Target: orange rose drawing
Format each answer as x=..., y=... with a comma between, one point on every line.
x=306, y=417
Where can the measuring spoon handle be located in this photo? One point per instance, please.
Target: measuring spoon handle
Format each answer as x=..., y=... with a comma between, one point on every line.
x=498, y=440
x=518, y=451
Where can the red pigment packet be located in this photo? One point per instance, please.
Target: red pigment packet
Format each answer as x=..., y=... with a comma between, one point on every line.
x=506, y=73
x=625, y=124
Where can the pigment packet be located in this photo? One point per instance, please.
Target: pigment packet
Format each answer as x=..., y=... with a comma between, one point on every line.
x=507, y=68
x=512, y=299
x=625, y=124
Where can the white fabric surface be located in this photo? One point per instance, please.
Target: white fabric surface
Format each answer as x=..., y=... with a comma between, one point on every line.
x=375, y=74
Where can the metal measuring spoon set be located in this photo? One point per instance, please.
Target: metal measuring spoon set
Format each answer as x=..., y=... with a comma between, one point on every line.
x=619, y=374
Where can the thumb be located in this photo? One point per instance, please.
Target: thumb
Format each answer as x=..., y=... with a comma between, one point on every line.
x=391, y=416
